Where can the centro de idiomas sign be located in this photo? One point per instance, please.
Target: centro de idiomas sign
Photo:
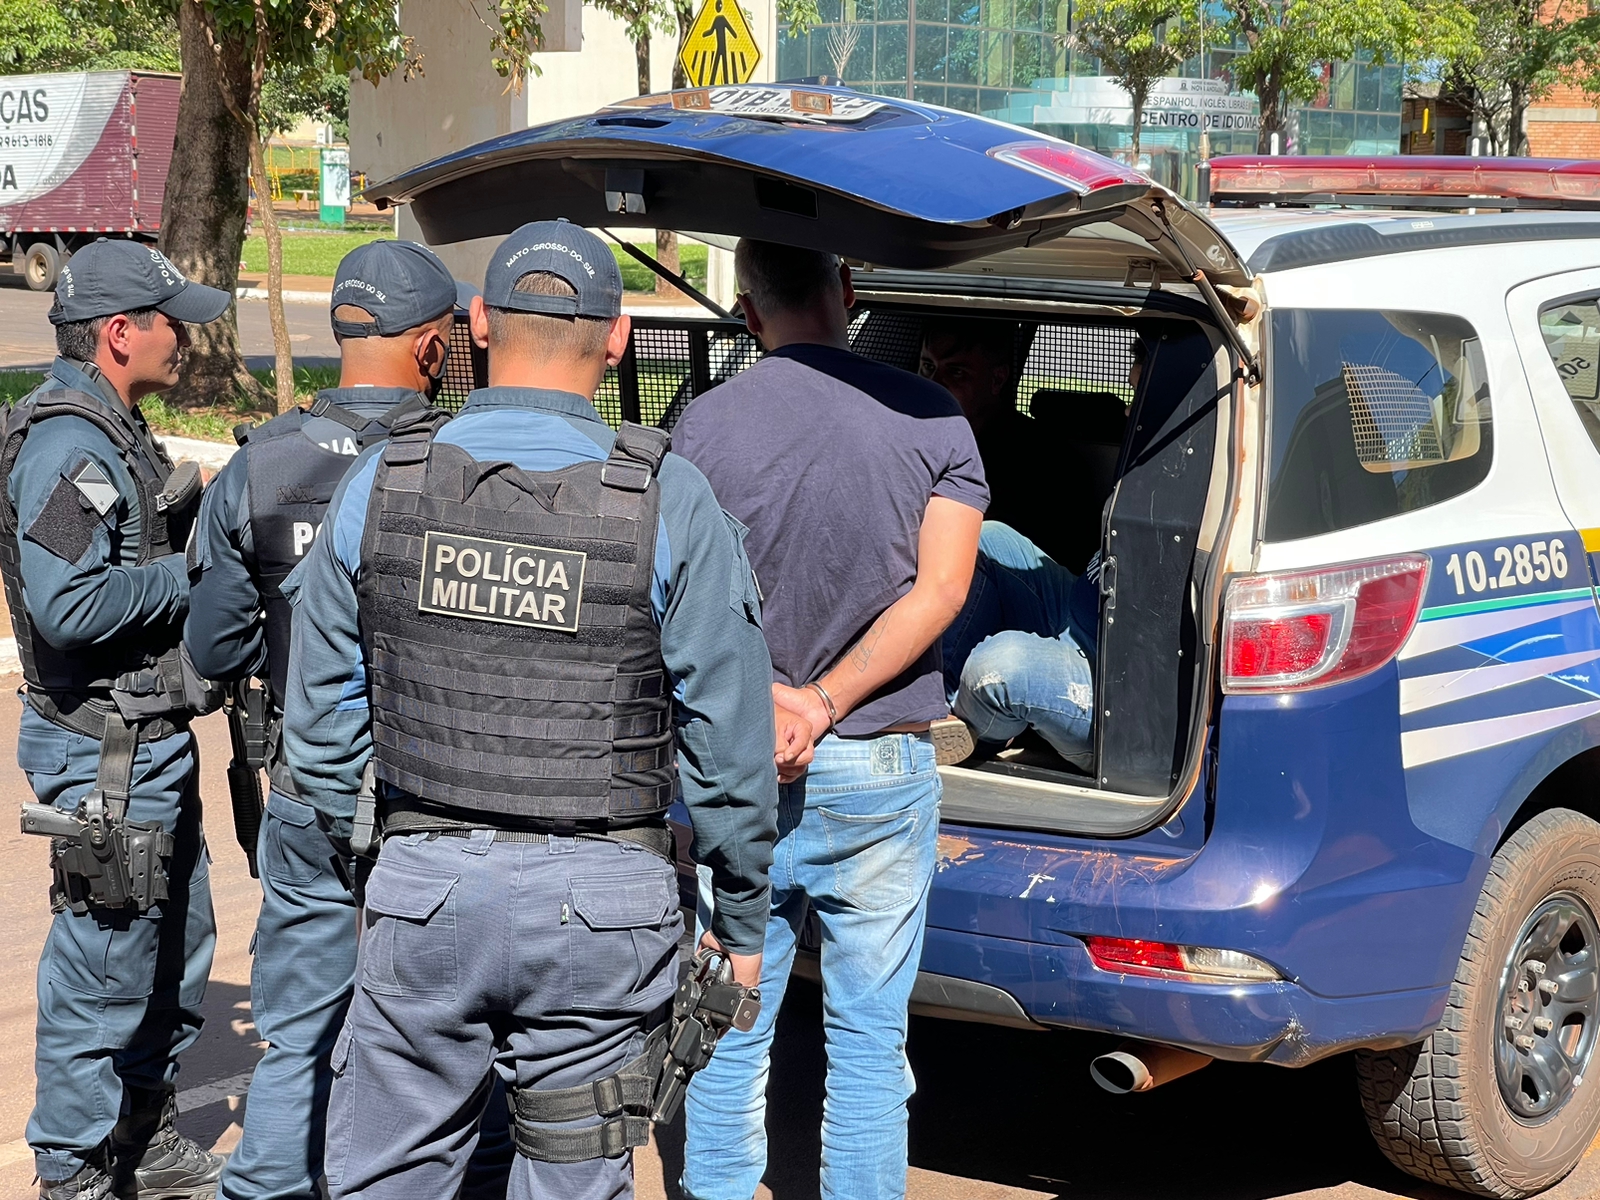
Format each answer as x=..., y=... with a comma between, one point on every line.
x=1176, y=104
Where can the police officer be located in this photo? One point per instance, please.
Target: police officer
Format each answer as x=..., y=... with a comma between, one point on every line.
x=393, y=308
x=520, y=623
x=91, y=527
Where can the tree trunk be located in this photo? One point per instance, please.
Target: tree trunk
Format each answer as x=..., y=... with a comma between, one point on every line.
x=1516, y=116
x=283, y=351
x=1139, y=96
x=206, y=205
x=1271, y=98
x=641, y=59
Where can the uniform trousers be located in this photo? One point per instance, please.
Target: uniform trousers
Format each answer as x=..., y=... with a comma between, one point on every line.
x=119, y=992
x=545, y=963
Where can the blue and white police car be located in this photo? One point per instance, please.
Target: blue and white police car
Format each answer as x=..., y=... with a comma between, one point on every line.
x=1345, y=793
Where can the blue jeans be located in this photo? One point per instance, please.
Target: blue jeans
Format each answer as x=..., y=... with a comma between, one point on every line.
x=1022, y=650
x=119, y=994
x=856, y=841
x=545, y=962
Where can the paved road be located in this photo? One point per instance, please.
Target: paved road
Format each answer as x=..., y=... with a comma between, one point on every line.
x=26, y=338
x=999, y=1114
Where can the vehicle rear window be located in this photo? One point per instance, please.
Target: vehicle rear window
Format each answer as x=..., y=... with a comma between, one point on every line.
x=1571, y=332
x=1372, y=414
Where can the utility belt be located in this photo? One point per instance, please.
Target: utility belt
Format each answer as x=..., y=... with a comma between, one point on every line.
x=100, y=859
x=647, y=1090
x=157, y=700
x=402, y=817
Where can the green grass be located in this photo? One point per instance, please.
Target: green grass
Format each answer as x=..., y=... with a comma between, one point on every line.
x=310, y=252
x=636, y=277
x=213, y=424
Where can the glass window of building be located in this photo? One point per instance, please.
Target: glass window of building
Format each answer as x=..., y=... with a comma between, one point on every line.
x=1009, y=59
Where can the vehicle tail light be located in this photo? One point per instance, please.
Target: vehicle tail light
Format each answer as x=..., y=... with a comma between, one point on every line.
x=1081, y=170
x=1301, y=629
x=1132, y=956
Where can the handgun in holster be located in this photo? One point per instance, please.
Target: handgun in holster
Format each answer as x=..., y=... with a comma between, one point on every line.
x=98, y=858
x=647, y=1090
x=247, y=730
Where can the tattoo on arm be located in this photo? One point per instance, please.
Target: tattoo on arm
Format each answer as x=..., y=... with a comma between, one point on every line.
x=861, y=653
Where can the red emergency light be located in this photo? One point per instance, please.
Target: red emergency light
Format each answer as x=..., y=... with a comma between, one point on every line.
x=1435, y=181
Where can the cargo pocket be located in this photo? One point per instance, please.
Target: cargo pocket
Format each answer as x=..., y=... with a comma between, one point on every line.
x=42, y=751
x=286, y=857
x=622, y=935
x=341, y=1110
x=409, y=947
x=874, y=855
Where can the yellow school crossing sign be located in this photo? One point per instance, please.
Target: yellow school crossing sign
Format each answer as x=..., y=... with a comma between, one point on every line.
x=720, y=49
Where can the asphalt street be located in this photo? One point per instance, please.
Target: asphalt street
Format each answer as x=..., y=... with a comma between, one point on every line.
x=26, y=338
x=999, y=1114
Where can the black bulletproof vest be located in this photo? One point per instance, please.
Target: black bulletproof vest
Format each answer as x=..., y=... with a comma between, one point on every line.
x=144, y=663
x=291, y=482
x=513, y=657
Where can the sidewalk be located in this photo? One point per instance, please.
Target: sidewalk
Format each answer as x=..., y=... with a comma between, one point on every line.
x=316, y=289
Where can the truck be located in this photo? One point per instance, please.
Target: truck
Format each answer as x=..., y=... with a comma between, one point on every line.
x=83, y=155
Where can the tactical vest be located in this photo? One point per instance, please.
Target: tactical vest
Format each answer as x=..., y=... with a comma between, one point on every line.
x=513, y=657
x=141, y=672
x=291, y=481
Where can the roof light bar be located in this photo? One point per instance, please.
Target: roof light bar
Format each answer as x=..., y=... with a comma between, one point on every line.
x=1519, y=182
x=1081, y=170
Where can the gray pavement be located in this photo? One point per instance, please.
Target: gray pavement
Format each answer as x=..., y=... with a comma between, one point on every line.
x=999, y=1114
x=26, y=338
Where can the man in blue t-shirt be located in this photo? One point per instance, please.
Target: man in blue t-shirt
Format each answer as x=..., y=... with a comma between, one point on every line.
x=863, y=492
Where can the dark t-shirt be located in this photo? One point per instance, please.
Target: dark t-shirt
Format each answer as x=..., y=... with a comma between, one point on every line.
x=1035, y=492
x=831, y=459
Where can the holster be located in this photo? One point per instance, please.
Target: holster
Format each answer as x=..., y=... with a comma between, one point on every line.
x=98, y=858
x=649, y=1089
x=247, y=729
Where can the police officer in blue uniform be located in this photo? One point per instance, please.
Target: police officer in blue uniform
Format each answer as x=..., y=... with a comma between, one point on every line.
x=393, y=308
x=517, y=626
x=92, y=524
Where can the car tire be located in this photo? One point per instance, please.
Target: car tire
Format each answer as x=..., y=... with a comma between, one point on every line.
x=41, y=264
x=1483, y=1105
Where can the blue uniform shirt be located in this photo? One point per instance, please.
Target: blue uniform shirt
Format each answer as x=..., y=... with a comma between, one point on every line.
x=98, y=593
x=225, y=636
x=704, y=597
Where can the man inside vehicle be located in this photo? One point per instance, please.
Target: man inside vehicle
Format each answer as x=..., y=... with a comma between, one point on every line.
x=1023, y=651
x=975, y=361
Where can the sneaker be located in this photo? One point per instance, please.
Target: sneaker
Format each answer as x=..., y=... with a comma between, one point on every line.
x=952, y=741
x=153, y=1161
x=92, y=1182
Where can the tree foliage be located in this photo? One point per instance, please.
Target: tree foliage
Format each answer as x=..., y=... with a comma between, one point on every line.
x=1138, y=43
x=1288, y=41
x=1524, y=48
x=59, y=35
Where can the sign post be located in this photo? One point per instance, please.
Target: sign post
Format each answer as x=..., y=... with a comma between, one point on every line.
x=335, y=195
x=719, y=49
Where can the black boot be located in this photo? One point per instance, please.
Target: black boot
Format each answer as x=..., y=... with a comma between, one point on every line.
x=153, y=1160
x=92, y=1182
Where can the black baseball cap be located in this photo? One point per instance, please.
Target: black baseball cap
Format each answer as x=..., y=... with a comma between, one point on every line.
x=402, y=284
x=108, y=277
x=563, y=249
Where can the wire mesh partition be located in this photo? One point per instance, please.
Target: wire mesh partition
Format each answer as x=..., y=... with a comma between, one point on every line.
x=672, y=360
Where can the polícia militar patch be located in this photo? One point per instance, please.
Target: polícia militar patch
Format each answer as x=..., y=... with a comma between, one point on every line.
x=506, y=582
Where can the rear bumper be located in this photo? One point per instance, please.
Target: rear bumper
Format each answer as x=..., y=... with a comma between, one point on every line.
x=1280, y=1023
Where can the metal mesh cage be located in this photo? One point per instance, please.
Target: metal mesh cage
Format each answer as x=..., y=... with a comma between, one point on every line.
x=1392, y=418
x=466, y=368
x=671, y=361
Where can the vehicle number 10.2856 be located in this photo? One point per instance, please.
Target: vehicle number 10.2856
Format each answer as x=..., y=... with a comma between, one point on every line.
x=1513, y=566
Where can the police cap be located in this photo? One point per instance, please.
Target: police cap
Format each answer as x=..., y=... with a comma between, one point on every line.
x=563, y=249
x=107, y=277
x=401, y=284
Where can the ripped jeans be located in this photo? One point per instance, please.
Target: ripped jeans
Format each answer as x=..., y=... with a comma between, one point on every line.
x=1022, y=651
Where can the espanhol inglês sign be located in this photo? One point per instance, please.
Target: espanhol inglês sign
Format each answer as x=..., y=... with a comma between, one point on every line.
x=1177, y=104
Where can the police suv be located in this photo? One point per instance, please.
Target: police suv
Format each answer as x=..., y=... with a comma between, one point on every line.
x=1347, y=717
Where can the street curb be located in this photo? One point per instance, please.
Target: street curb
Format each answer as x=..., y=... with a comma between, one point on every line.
x=290, y=297
x=213, y=456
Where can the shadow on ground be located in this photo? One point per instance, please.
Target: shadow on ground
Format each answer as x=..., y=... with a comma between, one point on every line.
x=1019, y=1108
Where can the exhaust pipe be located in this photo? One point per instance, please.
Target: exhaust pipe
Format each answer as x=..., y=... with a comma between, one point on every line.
x=1140, y=1066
